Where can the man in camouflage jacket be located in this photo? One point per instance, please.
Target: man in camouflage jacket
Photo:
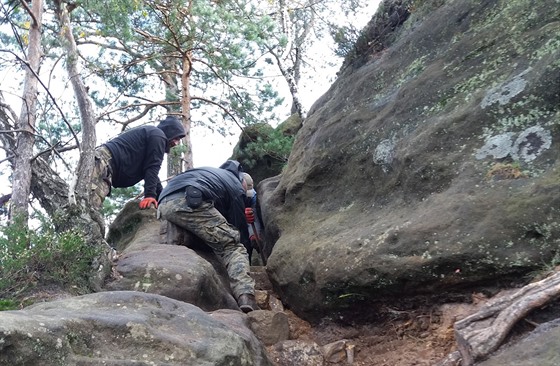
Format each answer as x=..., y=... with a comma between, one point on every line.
x=210, y=203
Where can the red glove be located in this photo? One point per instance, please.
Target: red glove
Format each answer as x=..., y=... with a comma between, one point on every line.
x=249, y=215
x=147, y=202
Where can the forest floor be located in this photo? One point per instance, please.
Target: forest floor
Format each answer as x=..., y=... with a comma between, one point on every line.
x=412, y=332
x=402, y=332
x=420, y=336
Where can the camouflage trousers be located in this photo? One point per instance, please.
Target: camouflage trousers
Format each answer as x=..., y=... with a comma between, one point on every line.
x=208, y=224
x=101, y=177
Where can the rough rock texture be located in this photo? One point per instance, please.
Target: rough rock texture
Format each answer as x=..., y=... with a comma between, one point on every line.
x=539, y=348
x=123, y=231
x=126, y=328
x=432, y=166
x=269, y=326
x=174, y=271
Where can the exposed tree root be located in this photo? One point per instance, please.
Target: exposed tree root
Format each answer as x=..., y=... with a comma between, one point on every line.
x=480, y=334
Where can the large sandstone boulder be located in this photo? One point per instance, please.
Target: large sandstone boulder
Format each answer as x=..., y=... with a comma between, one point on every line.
x=126, y=328
x=176, y=272
x=429, y=165
x=147, y=263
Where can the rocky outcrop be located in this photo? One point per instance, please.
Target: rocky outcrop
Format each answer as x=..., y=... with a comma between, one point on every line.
x=164, y=304
x=263, y=150
x=540, y=348
x=126, y=328
x=430, y=166
x=175, y=271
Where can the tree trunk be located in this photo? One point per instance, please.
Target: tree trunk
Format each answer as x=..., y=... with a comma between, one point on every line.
x=52, y=193
x=21, y=181
x=172, y=94
x=76, y=212
x=81, y=187
x=186, y=110
x=289, y=62
x=297, y=106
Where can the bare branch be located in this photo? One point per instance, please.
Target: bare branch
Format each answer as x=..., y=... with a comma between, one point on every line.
x=29, y=12
x=53, y=100
x=147, y=108
x=220, y=107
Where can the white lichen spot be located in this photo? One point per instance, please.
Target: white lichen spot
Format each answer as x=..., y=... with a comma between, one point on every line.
x=531, y=143
x=178, y=277
x=503, y=93
x=384, y=154
x=497, y=147
x=137, y=330
x=383, y=237
x=58, y=343
x=342, y=209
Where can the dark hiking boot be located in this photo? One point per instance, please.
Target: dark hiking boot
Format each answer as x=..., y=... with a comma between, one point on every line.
x=247, y=303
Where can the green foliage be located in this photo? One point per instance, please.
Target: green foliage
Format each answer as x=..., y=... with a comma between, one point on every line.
x=54, y=132
x=214, y=45
x=378, y=34
x=265, y=142
x=116, y=201
x=344, y=38
x=43, y=257
x=8, y=304
x=546, y=269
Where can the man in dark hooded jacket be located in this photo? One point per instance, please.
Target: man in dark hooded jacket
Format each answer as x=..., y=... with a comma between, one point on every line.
x=133, y=156
x=210, y=203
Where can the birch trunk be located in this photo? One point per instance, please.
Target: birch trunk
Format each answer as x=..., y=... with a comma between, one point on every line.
x=21, y=183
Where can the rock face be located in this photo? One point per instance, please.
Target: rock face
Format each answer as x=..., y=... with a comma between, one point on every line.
x=539, y=348
x=175, y=271
x=165, y=305
x=431, y=165
x=126, y=328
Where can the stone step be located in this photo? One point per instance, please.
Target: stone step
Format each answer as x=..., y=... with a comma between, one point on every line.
x=258, y=273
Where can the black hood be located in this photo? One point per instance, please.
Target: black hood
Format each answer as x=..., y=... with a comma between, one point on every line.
x=172, y=128
x=235, y=167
